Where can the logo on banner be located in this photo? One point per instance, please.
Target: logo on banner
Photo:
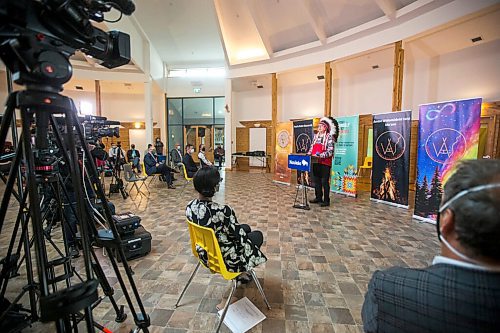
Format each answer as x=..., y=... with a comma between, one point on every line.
x=283, y=139
x=443, y=143
x=390, y=145
x=302, y=143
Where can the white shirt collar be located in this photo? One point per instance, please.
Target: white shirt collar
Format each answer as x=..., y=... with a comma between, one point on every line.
x=458, y=263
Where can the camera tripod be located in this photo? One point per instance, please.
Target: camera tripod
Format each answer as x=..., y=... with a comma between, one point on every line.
x=44, y=114
x=116, y=181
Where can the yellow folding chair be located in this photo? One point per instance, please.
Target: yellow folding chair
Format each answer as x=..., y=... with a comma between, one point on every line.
x=184, y=172
x=204, y=238
x=367, y=165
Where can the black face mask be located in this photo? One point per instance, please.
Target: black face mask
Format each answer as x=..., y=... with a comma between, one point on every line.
x=203, y=149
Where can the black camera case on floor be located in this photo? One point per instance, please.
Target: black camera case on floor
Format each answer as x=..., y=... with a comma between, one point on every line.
x=126, y=223
x=136, y=245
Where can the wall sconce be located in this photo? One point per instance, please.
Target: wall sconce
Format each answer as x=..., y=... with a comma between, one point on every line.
x=137, y=125
x=257, y=124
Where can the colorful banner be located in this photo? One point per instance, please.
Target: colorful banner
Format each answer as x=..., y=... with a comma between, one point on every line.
x=448, y=132
x=345, y=159
x=284, y=146
x=303, y=134
x=391, y=158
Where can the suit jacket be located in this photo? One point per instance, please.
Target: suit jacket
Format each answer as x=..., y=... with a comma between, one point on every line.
x=440, y=298
x=150, y=164
x=176, y=156
x=129, y=154
x=191, y=167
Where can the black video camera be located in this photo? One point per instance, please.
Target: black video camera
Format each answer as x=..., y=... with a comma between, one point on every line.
x=96, y=127
x=47, y=32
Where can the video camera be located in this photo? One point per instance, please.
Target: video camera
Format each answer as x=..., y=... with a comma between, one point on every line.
x=96, y=127
x=47, y=32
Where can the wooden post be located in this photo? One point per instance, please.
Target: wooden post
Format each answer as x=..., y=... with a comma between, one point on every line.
x=397, y=82
x=328, y=89
x=274, y=84
x=98, y=110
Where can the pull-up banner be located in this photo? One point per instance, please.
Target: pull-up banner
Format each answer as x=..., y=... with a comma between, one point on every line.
x=303, y=134
x=391, y=158
x=345, y=158
x=284, y=146
x=448, y=132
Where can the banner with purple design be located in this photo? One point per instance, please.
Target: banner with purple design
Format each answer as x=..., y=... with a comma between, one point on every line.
x=448, y=132
x=391, y=158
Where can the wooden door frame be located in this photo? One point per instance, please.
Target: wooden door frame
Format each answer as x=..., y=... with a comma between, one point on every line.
x=210, y=154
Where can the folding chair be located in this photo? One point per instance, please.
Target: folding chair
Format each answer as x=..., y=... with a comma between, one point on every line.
x=132, y=178
x=204, y=241
x=367, y=164
x=184, y=172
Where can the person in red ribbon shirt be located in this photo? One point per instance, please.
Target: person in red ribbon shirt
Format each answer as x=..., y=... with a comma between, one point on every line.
x=322, y=147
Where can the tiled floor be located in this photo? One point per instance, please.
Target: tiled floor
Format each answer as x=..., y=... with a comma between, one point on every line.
x=319, y=261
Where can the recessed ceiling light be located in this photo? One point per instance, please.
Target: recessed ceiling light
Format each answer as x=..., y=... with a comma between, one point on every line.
x=375, y=66
x=476, y=39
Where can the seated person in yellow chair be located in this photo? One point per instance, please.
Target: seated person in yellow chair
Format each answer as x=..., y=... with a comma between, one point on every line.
x=240, y=246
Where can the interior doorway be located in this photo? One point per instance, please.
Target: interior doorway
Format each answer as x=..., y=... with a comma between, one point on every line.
x=200, y=134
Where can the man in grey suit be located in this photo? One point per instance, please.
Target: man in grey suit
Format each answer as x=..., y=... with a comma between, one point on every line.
x=460, y=291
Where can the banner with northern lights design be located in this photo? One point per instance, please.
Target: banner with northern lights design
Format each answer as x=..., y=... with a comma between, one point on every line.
x=448, y=133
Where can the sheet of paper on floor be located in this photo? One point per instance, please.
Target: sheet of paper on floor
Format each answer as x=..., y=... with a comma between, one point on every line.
x=242, y=315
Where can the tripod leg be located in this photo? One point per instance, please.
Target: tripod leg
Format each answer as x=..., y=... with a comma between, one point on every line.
x=107, y=289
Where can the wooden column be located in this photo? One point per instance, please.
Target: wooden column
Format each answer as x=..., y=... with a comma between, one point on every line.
x=397, y=82
x=328, y=89
x=98, y=110
x=274, y=94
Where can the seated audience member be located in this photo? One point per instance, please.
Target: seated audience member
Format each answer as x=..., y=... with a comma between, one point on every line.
x=133, y=156
x=240, y=245
x=460, y=291
x=218, y=155
x=176, y=155
x=188, y=161
x=152, y=167
x=204, y=162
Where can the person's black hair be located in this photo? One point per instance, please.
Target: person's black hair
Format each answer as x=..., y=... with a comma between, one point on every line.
x=205, y=181
x=477, y=214
x=150, y=145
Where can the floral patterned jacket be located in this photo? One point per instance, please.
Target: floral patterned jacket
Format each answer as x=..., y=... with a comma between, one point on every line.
x=239, y=253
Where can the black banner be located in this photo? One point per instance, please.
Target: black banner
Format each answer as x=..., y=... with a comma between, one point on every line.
x=391, y=157
x=303, y=135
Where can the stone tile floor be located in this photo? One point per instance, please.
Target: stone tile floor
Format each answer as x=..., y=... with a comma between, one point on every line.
x=319, y=261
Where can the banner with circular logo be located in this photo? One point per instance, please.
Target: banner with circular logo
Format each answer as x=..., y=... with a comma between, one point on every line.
x=448, y=132
x=284, y=146
x=391, y=157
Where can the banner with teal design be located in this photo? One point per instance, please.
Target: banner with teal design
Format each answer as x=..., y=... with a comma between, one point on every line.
x=345, y=158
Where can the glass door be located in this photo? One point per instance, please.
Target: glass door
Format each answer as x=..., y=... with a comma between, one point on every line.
x=202, y=134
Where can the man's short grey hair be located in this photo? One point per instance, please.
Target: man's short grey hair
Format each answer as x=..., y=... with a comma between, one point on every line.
x=477, y=214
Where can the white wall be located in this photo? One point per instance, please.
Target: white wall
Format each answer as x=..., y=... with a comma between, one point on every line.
x=252, y=105
x=365, y=93
x=471, y=72
x=81, y=96
x=183, y=87
x=301, y=101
